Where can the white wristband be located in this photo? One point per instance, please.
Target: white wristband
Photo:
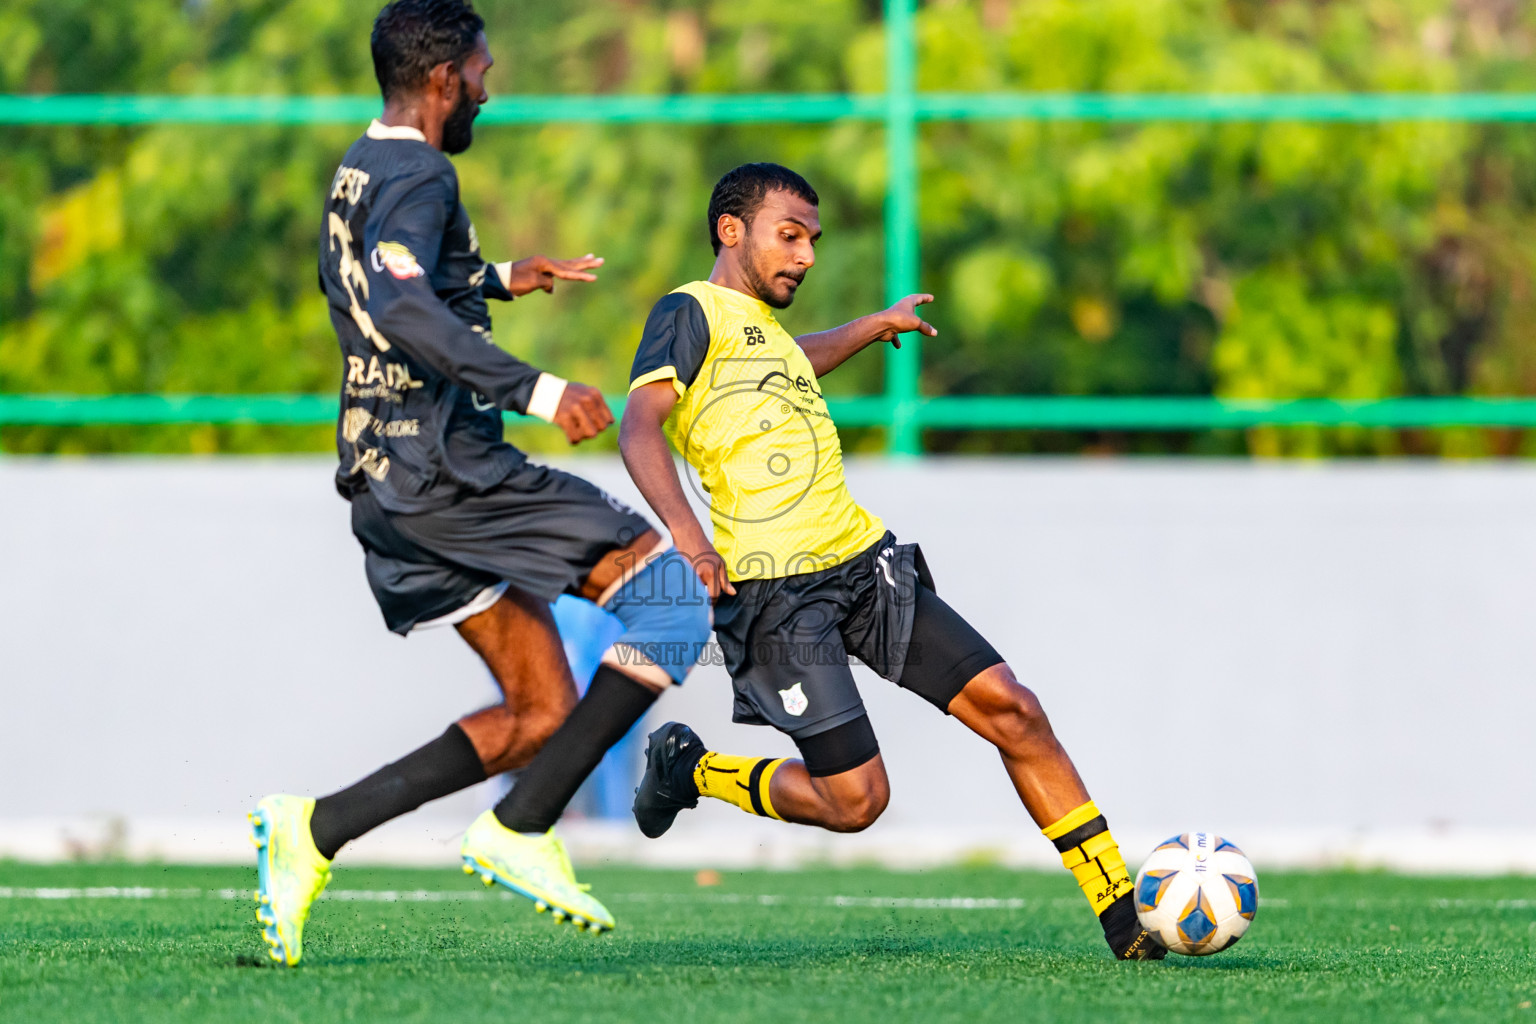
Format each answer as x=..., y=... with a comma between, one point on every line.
x=504, y=273
x=547, y=392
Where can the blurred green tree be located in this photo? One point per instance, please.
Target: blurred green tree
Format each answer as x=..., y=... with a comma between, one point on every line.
x=1277, y=260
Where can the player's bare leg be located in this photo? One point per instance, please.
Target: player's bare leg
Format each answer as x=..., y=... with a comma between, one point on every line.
x=658, y=598
x=993, y=705
x=517, y=639
x=849, y=801
x=297, y=837
x=996, y=707
x=680, y=769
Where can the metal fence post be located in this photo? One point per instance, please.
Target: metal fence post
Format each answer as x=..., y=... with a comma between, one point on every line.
x=902, y=368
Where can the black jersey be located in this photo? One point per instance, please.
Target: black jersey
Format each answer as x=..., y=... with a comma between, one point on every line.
x=424, y=385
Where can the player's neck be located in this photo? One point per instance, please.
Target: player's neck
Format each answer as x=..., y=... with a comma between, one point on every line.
x=727, y=274
x=409, y=114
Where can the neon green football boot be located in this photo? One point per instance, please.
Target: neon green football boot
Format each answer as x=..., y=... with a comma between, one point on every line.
x=536, y=868
x=290, y=873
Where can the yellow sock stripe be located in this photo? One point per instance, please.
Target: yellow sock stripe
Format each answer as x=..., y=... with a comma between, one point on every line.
x=1087, y=874
x=1098, y=869
x=1096, y=864
x=1102, y=879
x=1097, y=846
x=1080, y=816
x=755, y=790
x=740, y=781
x=763, y=787
x=717, y=775
x=1108, y=890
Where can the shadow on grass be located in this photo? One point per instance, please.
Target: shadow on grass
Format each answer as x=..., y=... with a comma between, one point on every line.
x=609, y=957
x=245, y=960
x=561, y=955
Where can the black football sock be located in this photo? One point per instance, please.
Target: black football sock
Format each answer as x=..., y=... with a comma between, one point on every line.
x=446, y=765
x=612, y=705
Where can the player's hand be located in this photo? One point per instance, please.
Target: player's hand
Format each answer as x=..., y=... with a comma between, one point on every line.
x=707, y=562
x=902, y=318
x=541, y=272
x=582, y=413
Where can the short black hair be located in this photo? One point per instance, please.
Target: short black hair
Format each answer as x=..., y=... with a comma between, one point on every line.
x=411, y=37
x=742, y=191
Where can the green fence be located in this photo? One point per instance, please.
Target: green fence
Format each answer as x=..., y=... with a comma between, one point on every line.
x=972, y=412
x=902, y=409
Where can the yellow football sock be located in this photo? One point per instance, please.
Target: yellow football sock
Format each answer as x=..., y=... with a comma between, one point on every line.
x=1092, y=855
x=742, y=781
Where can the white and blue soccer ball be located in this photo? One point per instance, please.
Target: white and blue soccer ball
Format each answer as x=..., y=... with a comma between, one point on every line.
x=1197, y=893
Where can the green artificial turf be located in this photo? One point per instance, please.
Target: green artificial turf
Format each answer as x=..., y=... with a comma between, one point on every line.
x=758, y=946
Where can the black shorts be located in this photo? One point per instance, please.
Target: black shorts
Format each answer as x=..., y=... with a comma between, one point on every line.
x=786, y=641
x=539, y=530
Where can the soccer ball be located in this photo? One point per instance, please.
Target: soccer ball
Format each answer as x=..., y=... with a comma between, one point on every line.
x=1197, y=893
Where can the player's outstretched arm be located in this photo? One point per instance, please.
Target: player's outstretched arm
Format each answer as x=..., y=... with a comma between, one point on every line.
x=827, y=350
x=424, y=326
x=539, y=273
x=648, y=458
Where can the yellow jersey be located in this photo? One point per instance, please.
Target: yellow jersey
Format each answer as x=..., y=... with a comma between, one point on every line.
x=752, y=425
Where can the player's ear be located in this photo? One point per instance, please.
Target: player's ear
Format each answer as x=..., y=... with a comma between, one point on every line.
x=443, y=80
x=731, y=230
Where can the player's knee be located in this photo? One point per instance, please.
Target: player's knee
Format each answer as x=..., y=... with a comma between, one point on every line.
x=537, y=725
x=856, y=811
x=863, y=812
x=666, y=617
x=1018, y=721
x=496, y=738
x=507, y=737
x=1024, y=723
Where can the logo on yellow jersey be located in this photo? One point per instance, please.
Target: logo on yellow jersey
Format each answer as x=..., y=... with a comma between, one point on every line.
x=800, y=384
x=777, y=447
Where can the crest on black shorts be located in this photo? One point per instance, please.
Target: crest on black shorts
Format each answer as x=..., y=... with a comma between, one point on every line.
x=795, y=701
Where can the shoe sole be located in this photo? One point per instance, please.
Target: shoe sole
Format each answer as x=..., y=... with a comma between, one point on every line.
x=261, y=832
x=541, y=901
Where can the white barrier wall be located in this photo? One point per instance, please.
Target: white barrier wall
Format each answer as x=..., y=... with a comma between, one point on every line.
x=1332, y=662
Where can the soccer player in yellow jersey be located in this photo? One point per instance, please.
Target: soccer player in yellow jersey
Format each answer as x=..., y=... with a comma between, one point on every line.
x=802, y=574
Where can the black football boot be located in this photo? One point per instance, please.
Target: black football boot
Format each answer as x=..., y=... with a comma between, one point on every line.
x=1125, y=935
x=671, y=754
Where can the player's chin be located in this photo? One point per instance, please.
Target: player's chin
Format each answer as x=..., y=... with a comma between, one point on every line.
x=784, y=294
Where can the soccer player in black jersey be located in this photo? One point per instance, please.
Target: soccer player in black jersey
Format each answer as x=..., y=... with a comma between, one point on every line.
x=805, y=575
x=457, y=526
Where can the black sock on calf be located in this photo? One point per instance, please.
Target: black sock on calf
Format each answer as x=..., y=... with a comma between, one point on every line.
x=444, y=766
x=612, y=705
